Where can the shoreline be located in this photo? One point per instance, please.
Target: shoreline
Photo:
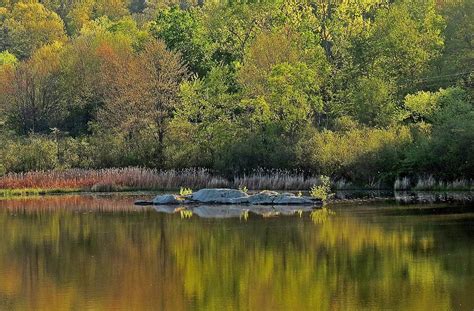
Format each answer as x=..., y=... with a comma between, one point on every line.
x=344, y=196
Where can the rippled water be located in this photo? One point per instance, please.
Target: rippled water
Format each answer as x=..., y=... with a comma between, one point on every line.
x=103, y=253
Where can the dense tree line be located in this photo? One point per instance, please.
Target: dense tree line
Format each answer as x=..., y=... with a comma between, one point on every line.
x=365, y=91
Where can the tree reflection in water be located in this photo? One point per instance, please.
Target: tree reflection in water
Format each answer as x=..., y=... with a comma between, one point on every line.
x=79, y=253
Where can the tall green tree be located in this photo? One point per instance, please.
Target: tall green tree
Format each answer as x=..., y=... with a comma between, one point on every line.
x=32, y=98
x=183, y=31
x=28, y=26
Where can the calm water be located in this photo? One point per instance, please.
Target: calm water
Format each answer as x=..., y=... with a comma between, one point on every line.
x=85, y=253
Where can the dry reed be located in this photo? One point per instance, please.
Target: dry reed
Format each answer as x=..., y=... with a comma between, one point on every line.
x=275, y=180
x=430, y=183
x=112, y=179
x=134, y=178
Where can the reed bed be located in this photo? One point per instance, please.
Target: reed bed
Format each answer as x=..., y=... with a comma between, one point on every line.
x=276, y=180
x=429, y=183
x=112, y=179
x=133, y=178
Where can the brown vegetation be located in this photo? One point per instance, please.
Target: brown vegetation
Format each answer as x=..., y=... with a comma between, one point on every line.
x=152, y=179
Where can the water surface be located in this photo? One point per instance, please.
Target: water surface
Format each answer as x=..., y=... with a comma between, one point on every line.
x=103, y=253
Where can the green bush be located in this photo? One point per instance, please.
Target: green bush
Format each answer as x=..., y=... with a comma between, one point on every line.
x=185, y=191
x=364, y=155
x=443, y=145
x=323, y=190
x=28, y=154
x=75, y=153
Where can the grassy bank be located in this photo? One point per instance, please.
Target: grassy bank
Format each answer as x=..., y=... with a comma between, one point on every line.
x=21, y=192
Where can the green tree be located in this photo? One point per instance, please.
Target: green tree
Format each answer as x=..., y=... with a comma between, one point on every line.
x=7, y=58
x=205, y=122
x=33, y=99
x=140, y=98
x=446, y=149
x=405, y=37
x=183, y=31
x=231, y=27
x=114, y=9
x=293, y=96
x=373, y=103
x=457, y=60
x=82, y=64
x=79, y=14
x=28, y=26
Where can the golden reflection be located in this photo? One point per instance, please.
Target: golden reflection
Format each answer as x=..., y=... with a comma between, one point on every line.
x=244, y=215
x=185, y=213
x=68, y=259
x=319, y=216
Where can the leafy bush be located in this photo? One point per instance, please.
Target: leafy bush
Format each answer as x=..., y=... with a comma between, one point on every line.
x=244, y=189
x=323, y=190
x=29, y=154
x=443, y=145
x=365, y=155
x=185, y=191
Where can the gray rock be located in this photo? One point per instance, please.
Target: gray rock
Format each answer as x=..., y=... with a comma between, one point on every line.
x=222, y=196
x=284, y=199
x=242, y=200
x=232, y=196
x=268, y=192
x=275, y=198
x=263, y=198
x=167, y=199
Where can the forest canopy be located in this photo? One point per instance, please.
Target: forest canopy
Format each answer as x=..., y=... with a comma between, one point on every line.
x=366, y=90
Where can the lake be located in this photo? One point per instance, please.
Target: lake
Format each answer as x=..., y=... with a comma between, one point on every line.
x=103, y=253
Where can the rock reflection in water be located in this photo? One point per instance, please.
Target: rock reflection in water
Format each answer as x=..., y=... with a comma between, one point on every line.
x=233, y=211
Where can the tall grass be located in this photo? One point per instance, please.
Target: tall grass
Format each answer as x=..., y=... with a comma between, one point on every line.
x=275, y=180
x=402, y=184
x=431, y=183
x=112, y=179
x=134, y=178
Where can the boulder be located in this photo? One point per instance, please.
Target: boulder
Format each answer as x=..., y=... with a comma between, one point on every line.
x=284, y=199
x=219, y=196
x=232, y=196
x=263, y=198
x=242, y=200
x=275, y=198
x=167, y=199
